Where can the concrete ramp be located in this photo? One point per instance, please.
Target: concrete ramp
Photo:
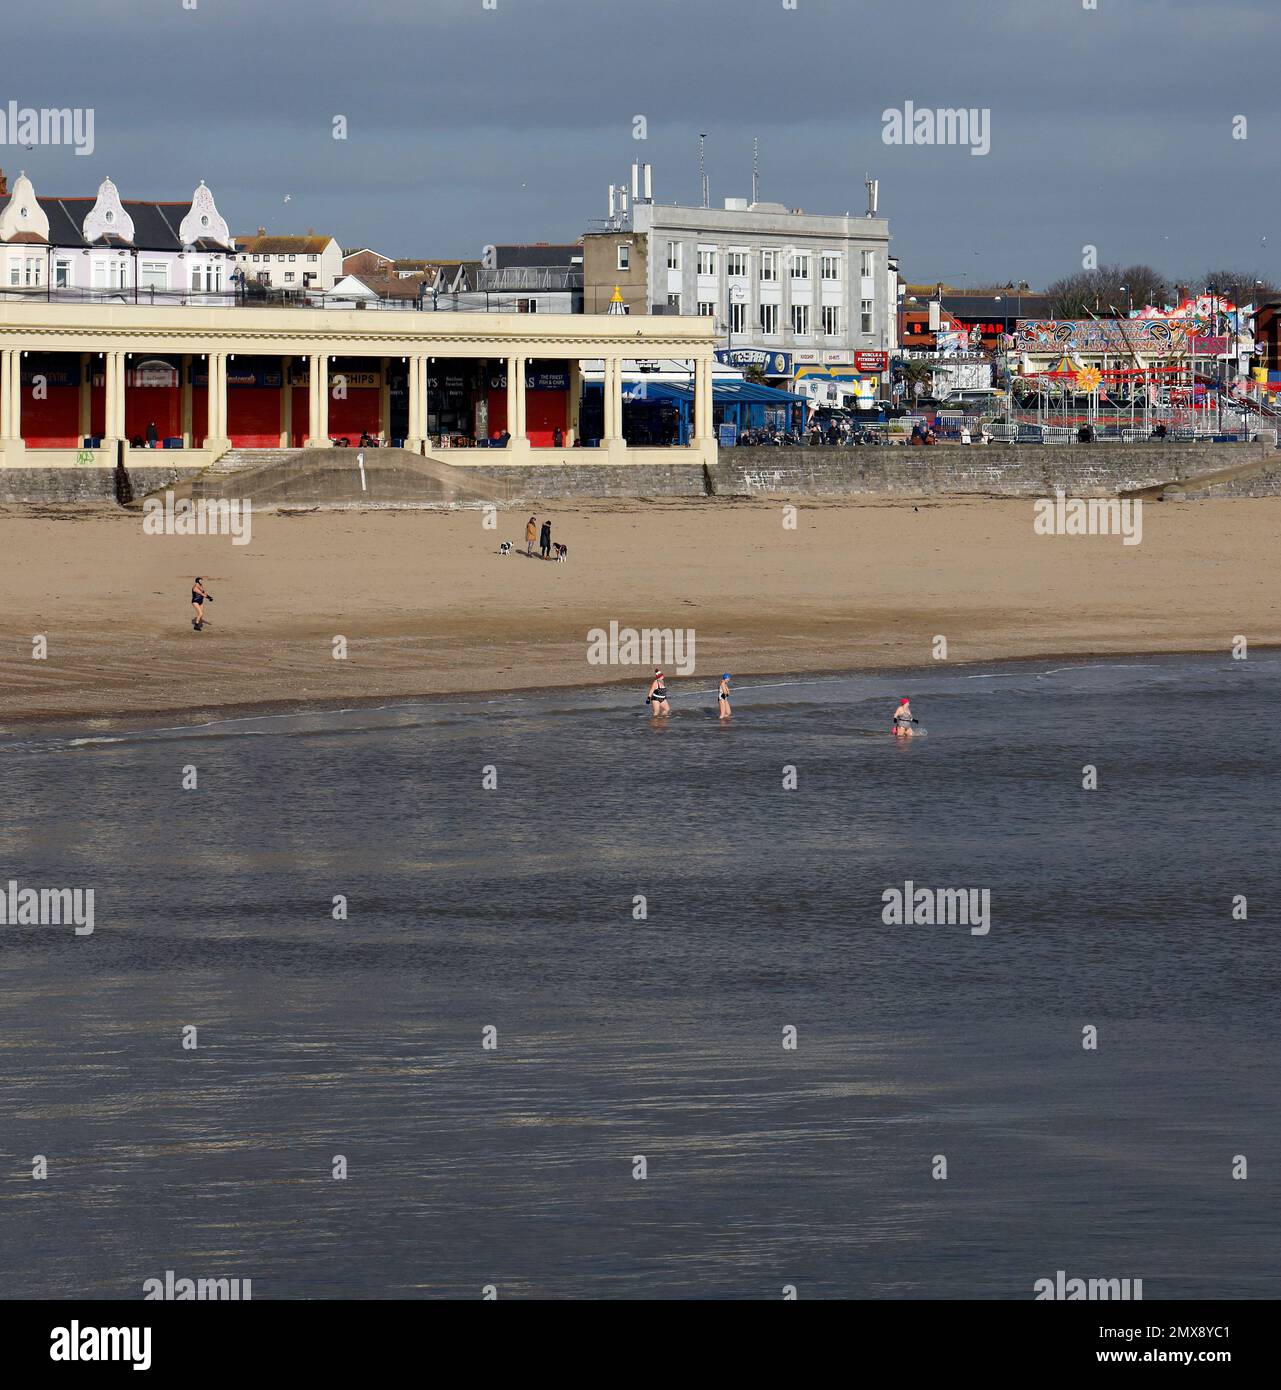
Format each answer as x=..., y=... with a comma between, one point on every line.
x=1258, y=478
x=340, y=478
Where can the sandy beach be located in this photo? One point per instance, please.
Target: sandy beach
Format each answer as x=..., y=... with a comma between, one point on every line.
x=427, y=606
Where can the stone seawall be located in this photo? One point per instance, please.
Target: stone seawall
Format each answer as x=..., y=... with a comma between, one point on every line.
x=80, y=484
x=1252, y=470
x=538, y=482
x=981, y=470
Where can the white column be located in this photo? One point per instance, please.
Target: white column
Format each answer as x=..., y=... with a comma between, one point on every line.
x=85, y=403
x=318, y=399
x=286, y=402
x=216, y=437
x=185, y=424
x=113, y=377
x=702, y=400
x=515, y=389
x=575, y=397
x=11, y=400
x=384, y=399
x=414, y=385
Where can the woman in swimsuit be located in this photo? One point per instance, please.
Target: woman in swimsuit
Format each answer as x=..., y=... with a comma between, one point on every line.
x=657, y=697
x=722, y=697
x=198, y=596
x=903, y=720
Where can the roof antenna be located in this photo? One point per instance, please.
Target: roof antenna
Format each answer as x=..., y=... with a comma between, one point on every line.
x=756, y=170
x=702, y=171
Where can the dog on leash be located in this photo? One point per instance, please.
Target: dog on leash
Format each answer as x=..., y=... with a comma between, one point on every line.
x=505, y=549
x=562, y=552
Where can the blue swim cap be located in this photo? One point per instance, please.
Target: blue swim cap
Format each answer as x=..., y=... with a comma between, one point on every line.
x=725, y=677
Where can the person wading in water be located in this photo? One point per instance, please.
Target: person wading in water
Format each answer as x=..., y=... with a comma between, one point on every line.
x=657, y=697
x=903, y=720
x=722, y=697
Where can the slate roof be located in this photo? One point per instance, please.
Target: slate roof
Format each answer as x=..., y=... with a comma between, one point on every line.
x=537, y=254
x=155, y=225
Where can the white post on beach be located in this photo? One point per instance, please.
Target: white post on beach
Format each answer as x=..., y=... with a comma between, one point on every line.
x=360, y=459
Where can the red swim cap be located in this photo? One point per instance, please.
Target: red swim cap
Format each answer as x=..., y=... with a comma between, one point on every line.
x=903, y=700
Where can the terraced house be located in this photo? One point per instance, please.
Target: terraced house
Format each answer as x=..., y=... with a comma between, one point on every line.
x=112, y=250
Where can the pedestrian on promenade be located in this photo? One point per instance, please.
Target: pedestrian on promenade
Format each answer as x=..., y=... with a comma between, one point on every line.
x=152, y=435
x=545, y=540
x=531, y=535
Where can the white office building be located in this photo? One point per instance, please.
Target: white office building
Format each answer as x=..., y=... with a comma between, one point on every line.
x=805, y=296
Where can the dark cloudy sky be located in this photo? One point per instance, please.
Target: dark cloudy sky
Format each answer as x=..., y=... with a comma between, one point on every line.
x=467, y=125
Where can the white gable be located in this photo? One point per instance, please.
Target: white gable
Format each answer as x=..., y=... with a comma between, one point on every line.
x=203, y=220
x=22, y=213
x=107, y=217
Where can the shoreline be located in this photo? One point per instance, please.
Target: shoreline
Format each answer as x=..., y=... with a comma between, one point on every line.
x=95, y=617
x=147, y=719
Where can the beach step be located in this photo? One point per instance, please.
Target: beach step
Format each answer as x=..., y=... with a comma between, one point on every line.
x=1259, y=477
x=286, y=478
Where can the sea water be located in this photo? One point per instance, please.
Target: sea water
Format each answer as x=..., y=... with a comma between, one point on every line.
x=614, y=1010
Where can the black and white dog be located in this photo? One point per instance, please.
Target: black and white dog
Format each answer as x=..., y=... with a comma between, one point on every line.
x=562, y=552
x=505, y=549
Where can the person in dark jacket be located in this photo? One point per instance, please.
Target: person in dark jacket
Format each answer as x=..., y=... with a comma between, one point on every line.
x=152, y=435
x=545, y=540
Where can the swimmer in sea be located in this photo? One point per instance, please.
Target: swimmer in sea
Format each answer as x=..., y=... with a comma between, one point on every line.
x=722, y=697
x=657, y=697
x=903, y=720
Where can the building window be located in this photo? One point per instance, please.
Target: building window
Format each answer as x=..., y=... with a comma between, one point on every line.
x=673, y=255
x=624, y=258
x=153, y=275
x=800, y=319
x=281, y=259
x=831, y=267
x=769, y=265
x=869, y=262
x=736, y=264
x=800, y=266
x=706, y=309
x=706, y=262
x=15, y=273
x=673, y=303
x=832, y=320
x=769, y=320
x=33, y=272
x=865, y=317
x=527, y=306
x=289, y=275
x=255, y=257
x=738, y=318
x=313, y=259
x=293, y=258
x=61, y=274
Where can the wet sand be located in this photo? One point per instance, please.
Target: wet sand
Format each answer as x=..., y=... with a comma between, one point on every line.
x=427, y=606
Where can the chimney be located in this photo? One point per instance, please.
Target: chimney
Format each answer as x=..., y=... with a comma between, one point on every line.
x=262, y=231
x=311, y=231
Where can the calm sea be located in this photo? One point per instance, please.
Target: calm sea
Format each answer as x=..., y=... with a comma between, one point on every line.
x=515, y=908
